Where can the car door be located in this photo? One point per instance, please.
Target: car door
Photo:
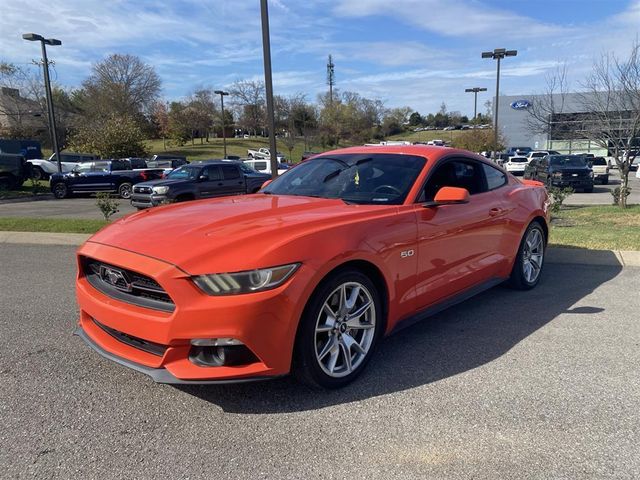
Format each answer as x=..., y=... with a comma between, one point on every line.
x=459, y=244
x=233, y=182
x=80, y=179
x=100, y=178
x=209, y=182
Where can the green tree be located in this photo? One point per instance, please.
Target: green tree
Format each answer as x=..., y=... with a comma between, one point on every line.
x=118, y=136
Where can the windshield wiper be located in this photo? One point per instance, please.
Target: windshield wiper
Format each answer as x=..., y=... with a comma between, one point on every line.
x=347, y=167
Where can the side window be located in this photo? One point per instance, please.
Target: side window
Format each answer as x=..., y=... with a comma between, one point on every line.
x=495, y=178
x=260, y=165
x=455, y=173
x=99, y=166
x=84, y=167
x=230, y=172
x=213, y=172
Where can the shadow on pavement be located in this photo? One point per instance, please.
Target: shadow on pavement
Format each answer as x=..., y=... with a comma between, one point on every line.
x=459, y=339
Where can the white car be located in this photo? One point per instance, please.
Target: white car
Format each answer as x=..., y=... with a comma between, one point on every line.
x=541, y=153
x=263, y=165
x=42, y=169
x=264, y=153
x=516, y=165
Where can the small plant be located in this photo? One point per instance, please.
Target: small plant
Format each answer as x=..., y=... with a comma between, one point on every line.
x=617, y=192
x=558, y=196
x=35, y=185
x=107, y=205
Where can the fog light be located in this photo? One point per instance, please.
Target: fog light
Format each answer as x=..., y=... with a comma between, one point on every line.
x=215, y=342
x=227, y=355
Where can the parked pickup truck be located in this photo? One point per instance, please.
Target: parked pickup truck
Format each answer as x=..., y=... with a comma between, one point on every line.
x=263, y=153
x=264, y=165
x=561, y=171
x=101, y=176
x=600, y=168
x=42, y=169
x=211, y=178
x=13, y=170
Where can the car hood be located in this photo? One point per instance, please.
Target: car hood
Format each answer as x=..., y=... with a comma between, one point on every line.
x=230, y=233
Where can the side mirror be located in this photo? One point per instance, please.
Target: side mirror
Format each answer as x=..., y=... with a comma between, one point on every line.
x=265, y=184
x=449, y=196
x=203, y=178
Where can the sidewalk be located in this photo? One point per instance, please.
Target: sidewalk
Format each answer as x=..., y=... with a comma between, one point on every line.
x=575, y=256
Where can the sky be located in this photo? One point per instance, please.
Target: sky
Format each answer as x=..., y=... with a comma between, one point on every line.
x=416, y=53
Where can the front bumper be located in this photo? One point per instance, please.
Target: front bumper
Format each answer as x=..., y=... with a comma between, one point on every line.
x=264, y=322
x=142, y=200
x=577, y=183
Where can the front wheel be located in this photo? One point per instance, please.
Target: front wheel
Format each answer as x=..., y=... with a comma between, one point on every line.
x=124, y=190
x=37, y=173
x=338, y=331
x=527, y=268
x=60, y=190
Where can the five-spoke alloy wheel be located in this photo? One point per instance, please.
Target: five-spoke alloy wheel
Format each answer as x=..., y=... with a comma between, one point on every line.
x=530, y=259
x=339, y=330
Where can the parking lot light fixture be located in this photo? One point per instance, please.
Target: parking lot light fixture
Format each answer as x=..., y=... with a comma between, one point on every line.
x=34, y=37
x=475, y=91
x=497, y=54
x=222, y=93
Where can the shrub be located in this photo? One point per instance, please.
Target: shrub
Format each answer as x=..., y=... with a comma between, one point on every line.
x=106, y=204
x=558, y=196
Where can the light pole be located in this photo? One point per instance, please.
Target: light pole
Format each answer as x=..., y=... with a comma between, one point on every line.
x=224, y=135
x=268, y=82
x=475, y=91
x=33, y=37
x=497, y=54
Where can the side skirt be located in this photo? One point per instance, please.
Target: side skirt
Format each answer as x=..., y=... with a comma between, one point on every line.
x=443, y=305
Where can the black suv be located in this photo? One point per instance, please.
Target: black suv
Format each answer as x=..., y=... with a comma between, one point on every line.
x=207, y=179
x=561, y=171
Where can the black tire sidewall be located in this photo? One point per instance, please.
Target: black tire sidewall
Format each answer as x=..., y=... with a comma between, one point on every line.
x=129, y=189
x=306, y=367
x=63, y=188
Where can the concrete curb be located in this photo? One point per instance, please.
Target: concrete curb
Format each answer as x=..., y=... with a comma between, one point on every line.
x=43, y=196
x=571, y=256
x=43, y=238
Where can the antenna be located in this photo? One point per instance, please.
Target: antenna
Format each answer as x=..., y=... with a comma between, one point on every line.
x=331, y=79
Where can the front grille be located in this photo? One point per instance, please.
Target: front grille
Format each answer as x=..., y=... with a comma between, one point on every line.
x=137, y=189
x=139, y=343
x=126, y=285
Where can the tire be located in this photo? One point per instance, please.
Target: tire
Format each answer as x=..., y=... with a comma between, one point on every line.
x=333, y=350
x=526, y=271
x=60, y=190
x=588, y=190
x=38, y=173
x=124, y=190
x=605, y=181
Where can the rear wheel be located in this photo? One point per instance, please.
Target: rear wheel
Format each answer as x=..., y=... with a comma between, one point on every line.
x=60, y=190
x=124, y=190
x=338, y=331
x=37, y=173
x=530, y=259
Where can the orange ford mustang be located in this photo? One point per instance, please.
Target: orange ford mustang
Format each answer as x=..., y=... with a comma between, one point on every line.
x=307, y=275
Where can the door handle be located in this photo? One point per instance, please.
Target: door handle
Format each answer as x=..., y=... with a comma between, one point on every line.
x=494, y=212
x=219, y=184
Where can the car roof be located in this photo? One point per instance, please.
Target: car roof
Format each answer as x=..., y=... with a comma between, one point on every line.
x=432, y=152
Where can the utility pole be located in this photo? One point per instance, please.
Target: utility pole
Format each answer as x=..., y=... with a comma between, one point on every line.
x=34, y=37
x=331, y=79
x=222, y=93
x=497, y=54
x=268, y=81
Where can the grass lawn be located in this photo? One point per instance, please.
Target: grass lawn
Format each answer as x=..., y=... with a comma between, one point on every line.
x=27, y=189
x=605, y=227
x=55, y=225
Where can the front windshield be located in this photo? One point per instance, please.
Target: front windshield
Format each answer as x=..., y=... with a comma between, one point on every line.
x=246, y=168
x=567, y=161
x=184, y=173
x=355, y=178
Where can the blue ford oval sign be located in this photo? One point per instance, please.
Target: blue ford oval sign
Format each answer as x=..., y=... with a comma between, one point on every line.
x=520, y=104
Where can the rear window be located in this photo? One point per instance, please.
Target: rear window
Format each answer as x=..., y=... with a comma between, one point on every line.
x=519, y=160
x=599, y=161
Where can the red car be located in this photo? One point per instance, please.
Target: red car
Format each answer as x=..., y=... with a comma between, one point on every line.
x=309, y=274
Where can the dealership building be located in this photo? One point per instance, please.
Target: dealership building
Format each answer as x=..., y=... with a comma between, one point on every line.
x=565, y=136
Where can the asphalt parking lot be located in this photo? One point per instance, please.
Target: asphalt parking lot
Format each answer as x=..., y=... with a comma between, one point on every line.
x=601, y=194
x=542, y=384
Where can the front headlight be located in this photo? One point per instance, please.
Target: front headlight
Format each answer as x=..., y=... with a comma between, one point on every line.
x=245, y=282
x=591, y=173
x=160, y=190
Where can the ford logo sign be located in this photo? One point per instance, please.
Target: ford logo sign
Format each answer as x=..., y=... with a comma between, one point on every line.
x=520, y=104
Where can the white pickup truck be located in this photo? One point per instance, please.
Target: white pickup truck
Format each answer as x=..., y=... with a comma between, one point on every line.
x=42, y=169
x=263, y=153
x=263, y=165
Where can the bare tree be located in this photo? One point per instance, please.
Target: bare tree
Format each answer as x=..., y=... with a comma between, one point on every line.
x=611, y=96
x=249, y=96
x=121, y=85
x=550, y=103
